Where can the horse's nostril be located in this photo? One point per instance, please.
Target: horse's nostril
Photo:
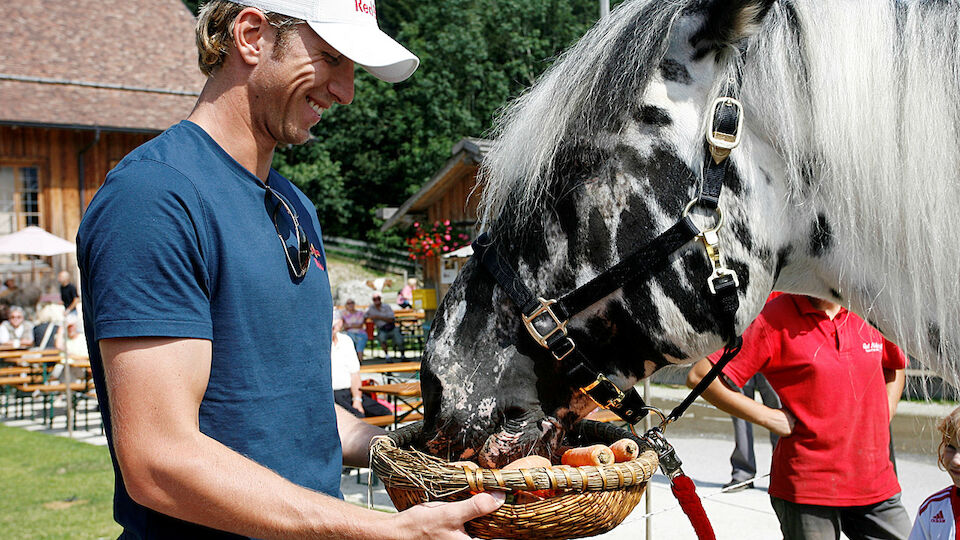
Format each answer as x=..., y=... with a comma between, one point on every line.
x=514, y=413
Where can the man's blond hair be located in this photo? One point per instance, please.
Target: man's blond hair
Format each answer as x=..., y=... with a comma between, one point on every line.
x=215, y=32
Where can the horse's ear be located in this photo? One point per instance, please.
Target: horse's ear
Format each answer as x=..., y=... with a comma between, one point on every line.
x=729, y=21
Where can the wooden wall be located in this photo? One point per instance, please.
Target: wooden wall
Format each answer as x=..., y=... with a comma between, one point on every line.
x=455, y=203
x=458, y=204
x=55, y=152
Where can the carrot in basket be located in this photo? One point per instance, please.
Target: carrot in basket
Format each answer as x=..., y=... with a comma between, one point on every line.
x=598, y=454
x=529, y=462
x=625, y=450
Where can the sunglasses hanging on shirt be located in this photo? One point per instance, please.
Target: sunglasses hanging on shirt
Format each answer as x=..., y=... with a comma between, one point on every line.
x=296, y=247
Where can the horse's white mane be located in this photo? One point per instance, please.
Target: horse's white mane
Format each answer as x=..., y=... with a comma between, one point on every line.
x=576, y=96
x=863, y=99
x=859, y=97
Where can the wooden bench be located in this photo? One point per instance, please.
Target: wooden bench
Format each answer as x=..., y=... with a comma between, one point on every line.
x=16, y=370
x=56, y=387
x=387, y=419
x=18, y=380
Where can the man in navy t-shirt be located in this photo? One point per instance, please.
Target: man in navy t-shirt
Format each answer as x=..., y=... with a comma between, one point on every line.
x=207, y=303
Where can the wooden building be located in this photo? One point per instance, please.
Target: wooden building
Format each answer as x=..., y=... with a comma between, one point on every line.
x=449, y=195
x=82, y=83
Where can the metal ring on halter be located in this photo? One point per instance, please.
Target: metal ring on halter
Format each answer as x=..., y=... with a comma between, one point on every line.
x=716, y=210
x=658, y=412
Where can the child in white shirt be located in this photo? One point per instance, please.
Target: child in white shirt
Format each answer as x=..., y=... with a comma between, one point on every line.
x=938, y=516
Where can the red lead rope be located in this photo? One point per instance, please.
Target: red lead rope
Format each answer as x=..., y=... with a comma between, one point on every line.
x=686, y=493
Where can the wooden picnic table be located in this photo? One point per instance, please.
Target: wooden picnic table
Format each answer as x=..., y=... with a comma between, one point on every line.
x=407, y=394
x=407, y=389
x=396, y=367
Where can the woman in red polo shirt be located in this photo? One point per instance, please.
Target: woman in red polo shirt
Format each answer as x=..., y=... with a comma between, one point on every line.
x=839, y=381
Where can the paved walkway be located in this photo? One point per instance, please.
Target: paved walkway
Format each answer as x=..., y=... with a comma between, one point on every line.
x=703, y=439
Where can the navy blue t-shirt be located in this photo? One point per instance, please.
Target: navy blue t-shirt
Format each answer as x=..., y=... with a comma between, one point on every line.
x=180, y=242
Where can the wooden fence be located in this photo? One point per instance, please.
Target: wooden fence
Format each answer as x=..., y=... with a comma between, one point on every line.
x=393, y=260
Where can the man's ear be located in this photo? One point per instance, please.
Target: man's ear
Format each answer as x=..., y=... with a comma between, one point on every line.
x=249, y=31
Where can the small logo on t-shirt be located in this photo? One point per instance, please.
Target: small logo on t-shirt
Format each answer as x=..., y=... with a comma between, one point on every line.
x=938, y=518
x=316, y=257
x=872, y=347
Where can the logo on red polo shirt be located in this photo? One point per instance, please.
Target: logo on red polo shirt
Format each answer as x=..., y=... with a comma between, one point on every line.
x=364, y=7
x=938, y=518
x=872, y=347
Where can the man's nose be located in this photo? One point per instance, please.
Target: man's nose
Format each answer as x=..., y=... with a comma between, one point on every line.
x=341, y=84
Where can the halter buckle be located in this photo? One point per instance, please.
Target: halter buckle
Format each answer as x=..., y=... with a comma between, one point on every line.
x=558, y=325
x=722, y=142
x=607, y=387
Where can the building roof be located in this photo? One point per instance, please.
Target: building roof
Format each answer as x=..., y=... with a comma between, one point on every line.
x=467, y=155
x=127, y=65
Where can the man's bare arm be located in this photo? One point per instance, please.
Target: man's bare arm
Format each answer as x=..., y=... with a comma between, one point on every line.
x=895, y=380
x=156, y=386
x=779, y=421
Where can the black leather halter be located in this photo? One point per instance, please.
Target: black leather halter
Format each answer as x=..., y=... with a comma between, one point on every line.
x=546, y=320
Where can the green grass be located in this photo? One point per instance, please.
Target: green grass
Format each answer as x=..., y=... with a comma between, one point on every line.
x=53, y=487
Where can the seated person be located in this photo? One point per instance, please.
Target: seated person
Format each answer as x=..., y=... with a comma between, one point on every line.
x=47, y=325
x=405, y=296
x=345, y=376
x=16, y=330
x=353, y=324
x=387, y=329
x=76, y=342
x=75, y=346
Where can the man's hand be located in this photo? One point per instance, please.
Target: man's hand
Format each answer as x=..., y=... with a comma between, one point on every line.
x=441, y=521
x=781, y=422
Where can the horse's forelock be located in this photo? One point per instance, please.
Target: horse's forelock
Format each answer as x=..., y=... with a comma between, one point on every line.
x=581, y=97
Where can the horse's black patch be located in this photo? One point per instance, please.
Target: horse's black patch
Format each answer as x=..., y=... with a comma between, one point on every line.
x=575, y=161
x=732, y=180
x=598, y=247
x=690, y=299
x=783, y=257
x=652, y=116
x=674, y=71
x=836, y=294
x=821, y=239
x=742, y=270
x=479, y=296
x=670, y=178
x=634, y=221
x=742, y=233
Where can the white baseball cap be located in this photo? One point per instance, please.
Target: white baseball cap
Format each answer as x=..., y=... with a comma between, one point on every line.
x=350, y=26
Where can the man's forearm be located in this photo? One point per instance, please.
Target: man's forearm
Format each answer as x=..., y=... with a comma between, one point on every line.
x=895, y=382
x=355, y=437
x=191, y=484
x=733, y=402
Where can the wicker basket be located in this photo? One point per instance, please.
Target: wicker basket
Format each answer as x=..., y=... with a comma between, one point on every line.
x=594, y=500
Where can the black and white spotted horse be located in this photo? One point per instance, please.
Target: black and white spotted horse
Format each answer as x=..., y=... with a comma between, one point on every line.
x=845, y=185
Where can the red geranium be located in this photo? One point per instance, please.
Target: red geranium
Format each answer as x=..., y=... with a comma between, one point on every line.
x=434, y=240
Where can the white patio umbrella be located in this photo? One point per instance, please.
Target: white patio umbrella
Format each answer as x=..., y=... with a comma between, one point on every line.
x=36, y=241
